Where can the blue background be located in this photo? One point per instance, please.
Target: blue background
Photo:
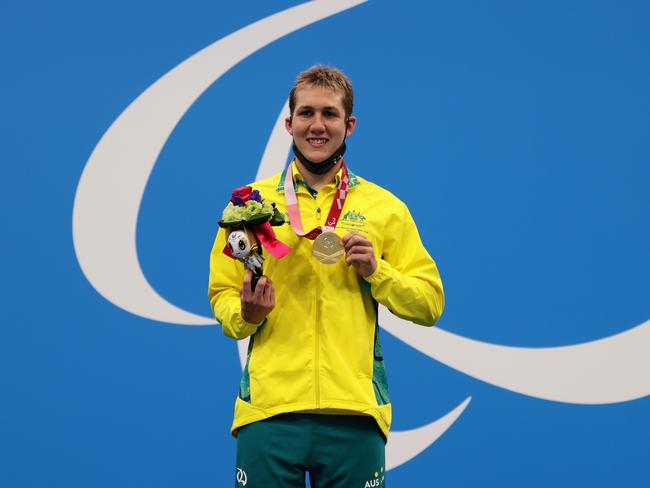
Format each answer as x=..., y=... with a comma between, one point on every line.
x=517, y=133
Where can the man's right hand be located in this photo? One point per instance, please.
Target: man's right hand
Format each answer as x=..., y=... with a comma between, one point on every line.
x=256, y=305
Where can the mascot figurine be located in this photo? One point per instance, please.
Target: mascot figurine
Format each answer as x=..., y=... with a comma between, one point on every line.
x=248, y=220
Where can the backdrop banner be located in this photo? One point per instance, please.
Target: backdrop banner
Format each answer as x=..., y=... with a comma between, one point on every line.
x=519, y=134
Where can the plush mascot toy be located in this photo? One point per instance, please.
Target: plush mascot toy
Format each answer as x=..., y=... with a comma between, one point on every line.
x=248, y=220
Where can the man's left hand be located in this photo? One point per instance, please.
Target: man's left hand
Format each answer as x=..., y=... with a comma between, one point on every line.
x=359, y=253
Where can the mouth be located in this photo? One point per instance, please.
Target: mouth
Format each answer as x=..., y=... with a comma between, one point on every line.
x=317, y=142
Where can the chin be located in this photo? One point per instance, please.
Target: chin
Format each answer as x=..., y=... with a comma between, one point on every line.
x=318, y=156
x=317, y=159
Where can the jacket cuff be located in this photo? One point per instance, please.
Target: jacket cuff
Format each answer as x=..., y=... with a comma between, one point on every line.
x=249, y=324
x=381, y=273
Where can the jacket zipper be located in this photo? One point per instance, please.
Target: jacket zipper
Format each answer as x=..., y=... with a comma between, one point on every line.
x=316, y=345
x=318, y=322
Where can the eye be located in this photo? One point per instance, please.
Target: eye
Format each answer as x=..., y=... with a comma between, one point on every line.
x=305, y=113
x=241, y=244
x=330, y=114
x=230, y=246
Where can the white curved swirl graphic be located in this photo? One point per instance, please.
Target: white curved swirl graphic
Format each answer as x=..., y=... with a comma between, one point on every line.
x=609, y=370
x=105, y=214
x=406, y=444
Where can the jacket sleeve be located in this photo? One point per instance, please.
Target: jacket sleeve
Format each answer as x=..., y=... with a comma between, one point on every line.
x=406, y=280
x=226, y=278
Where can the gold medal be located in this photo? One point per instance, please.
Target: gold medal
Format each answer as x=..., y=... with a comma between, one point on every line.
x=328, y=248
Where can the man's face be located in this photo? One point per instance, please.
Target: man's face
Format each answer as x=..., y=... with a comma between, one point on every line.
x=318, y=124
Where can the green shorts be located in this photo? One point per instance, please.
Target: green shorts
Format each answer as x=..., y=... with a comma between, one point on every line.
x=338, y=451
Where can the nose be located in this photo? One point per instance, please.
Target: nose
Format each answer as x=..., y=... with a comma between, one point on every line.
x=317, y=124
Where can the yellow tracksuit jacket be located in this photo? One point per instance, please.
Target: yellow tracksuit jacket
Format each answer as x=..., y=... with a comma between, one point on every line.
x=318, y=351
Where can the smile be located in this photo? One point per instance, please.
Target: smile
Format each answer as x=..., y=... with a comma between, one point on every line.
x=317, y=142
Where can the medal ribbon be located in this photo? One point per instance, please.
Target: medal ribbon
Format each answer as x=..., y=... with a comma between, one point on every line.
x=335, y=211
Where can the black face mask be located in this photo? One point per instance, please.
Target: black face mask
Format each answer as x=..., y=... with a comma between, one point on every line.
x=323, y=167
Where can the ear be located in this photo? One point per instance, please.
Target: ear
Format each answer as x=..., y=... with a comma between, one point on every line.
x=352, y=123
x=287, y=125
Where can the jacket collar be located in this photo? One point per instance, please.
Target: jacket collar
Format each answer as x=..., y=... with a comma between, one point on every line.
x=297, y=177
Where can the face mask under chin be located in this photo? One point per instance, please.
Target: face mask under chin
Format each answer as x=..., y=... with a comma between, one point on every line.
x=324, y=166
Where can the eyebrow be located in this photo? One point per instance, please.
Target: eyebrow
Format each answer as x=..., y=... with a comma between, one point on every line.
x=329, y=107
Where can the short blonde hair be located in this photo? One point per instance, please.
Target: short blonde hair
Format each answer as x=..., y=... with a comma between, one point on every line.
x=325, y=77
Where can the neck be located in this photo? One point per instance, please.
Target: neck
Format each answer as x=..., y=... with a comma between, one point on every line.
x=317, y=181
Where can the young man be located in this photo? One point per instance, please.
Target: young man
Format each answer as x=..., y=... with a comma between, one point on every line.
x=313, y=395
